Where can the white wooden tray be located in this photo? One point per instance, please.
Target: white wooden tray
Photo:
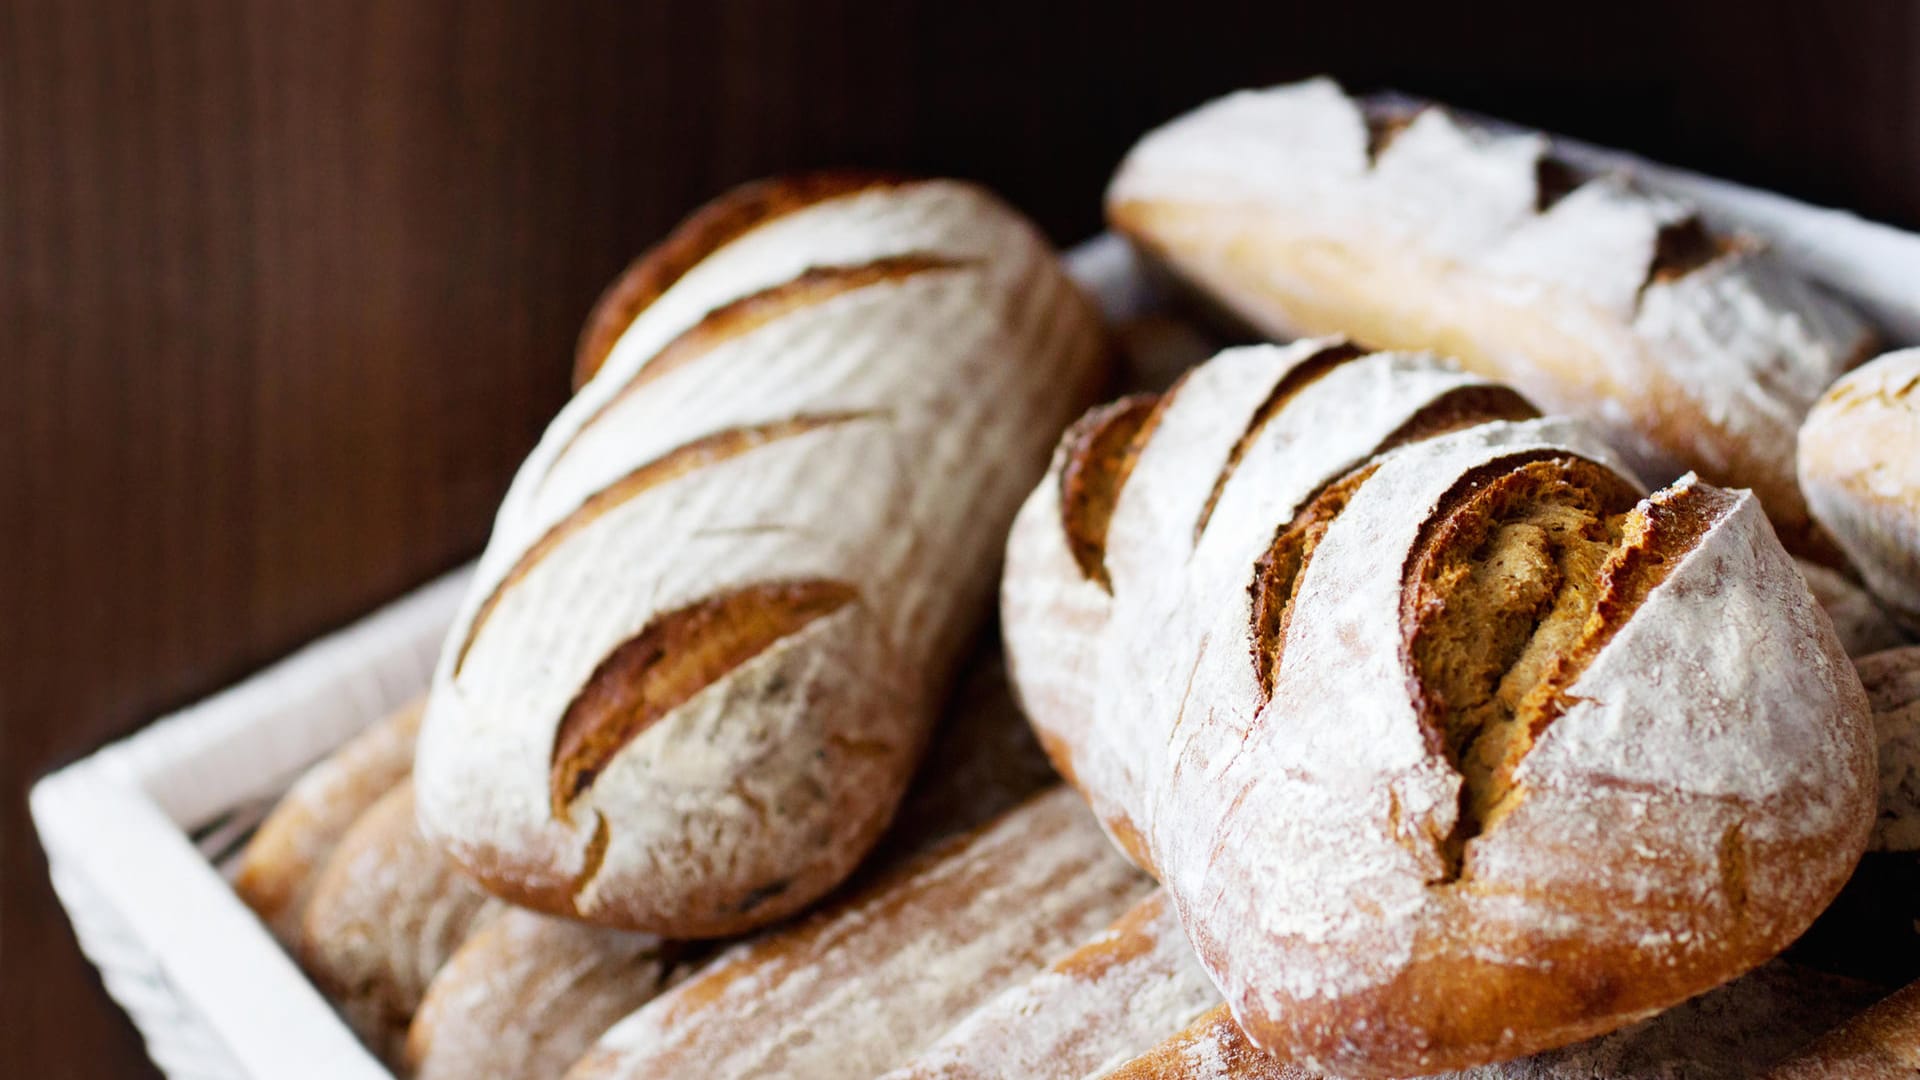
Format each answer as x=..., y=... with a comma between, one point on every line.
x=136, y=834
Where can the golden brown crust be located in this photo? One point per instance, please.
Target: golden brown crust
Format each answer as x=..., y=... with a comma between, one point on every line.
x=284, y=859
x=1100, y=449
x=712, y=227
x=673, y=658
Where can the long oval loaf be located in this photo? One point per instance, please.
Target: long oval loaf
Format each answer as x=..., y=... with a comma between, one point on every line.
x=723, y=595
x=1114, y=997
x=1447, y=744
x=1306, y=212
x=864, y=983
x=387, y=912
x=284, y=859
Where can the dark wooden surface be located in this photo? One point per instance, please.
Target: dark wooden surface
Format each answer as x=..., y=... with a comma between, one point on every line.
x=287, y=289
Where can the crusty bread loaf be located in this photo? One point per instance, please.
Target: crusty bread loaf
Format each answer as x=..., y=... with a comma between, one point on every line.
x=282, y=861
x=387, y=911
x=1863, y=627
x=527, y=994
x=725, y=593
x=1860, y=467
x=1448, y=746
x=1882, y=1043
x=1094, y=1008
x=861, y=985
x=1306, y=212
x=1726, y=1034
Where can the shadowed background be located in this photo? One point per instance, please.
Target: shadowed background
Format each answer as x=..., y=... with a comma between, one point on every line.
x=287, y=289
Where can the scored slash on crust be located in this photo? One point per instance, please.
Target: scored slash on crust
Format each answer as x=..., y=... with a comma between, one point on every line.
x=682, y=460
x=673, y=658
x=1525, y=572
x=714, y=226
x=741, y=317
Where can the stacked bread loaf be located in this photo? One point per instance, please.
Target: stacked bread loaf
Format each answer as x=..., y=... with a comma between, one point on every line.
x=1404, y=727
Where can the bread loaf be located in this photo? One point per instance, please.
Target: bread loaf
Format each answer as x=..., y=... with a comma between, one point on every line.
x=1860, y=466
x=725, y=593
x=1862, y=626
x=1882, y=1043
x=527, y=994
x=1726, y=1034
x=1106, y=1001
x=861, y=985
x=387, y=911
x=1448, y=746
x=282, y=861
x=1307, y=212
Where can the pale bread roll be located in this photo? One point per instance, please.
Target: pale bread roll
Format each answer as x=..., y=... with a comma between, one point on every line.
x=1306, y=212
x=386, y=913
x=1423, y=716
x=1860, y=467
x=282, y=861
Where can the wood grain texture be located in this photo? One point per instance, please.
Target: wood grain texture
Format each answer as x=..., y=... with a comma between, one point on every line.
x=287, y=290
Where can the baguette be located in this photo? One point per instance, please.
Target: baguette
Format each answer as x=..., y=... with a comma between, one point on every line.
x=1422, y=714
x=386, y=913
x=1091, y=1009
x=1306, y=212
x=283, y=860
x=527, y=994
x=1727, y=1034
x=1860, y=467
x=726, y=592
x=861, y=985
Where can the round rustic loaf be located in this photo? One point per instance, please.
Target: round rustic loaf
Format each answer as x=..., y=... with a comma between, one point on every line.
x=1447, y=744
x=1307, y=212
x=725, y=592
x=1860, y=467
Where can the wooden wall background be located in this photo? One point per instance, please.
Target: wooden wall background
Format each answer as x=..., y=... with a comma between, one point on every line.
x=287, y=289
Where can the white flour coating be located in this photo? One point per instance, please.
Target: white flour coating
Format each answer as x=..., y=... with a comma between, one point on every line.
x=1298, y=839
x=387, y=912
x=1860, y=623
x=1092, y=1009
x=1892, y=679
x=1860, y=466
x=864, y=984
x=939, y=392
x=528, y=994
x=1268, y=200
x=282, y=863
